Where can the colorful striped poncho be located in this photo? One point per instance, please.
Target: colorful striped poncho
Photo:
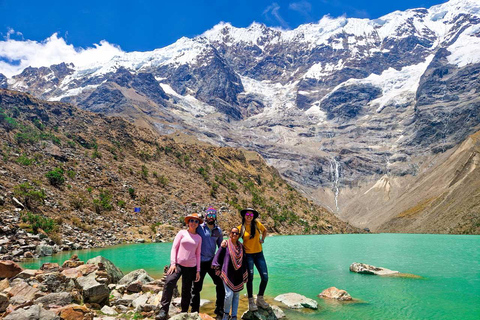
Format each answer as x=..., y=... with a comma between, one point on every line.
x=232, y=263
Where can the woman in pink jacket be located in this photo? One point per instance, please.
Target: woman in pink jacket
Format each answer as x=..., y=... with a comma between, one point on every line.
x=184, y=262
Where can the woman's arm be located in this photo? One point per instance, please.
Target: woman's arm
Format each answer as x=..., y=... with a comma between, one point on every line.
x=175, y=246
x=218, y=259
x=173, y=253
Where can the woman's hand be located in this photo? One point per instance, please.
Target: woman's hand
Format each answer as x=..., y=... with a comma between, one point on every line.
x=224, y=244
x=172, y=269
x=262, y=240
x=197, y=277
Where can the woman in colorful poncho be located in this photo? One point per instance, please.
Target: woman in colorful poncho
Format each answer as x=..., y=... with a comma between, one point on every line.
x=231, y=265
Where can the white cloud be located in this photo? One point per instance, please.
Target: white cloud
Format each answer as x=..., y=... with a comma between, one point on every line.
x=16, y=55
x=303, y=7
x=272, y=12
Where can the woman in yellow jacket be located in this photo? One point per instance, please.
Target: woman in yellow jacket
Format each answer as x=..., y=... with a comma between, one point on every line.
x=253, y=234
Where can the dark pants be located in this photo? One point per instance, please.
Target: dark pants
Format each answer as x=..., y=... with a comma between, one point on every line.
x=258, y=260
x=188, y=274
x=206, y=267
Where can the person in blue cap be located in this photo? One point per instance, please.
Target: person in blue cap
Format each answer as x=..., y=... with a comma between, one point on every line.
x=212, y=237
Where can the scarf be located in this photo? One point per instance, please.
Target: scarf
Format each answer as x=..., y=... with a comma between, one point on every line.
x=236, y=254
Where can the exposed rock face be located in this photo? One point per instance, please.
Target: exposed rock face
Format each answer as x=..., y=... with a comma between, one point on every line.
x=335, y=293
x=296, y=301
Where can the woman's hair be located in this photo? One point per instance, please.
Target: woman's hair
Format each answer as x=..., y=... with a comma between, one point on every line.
x=253, y=227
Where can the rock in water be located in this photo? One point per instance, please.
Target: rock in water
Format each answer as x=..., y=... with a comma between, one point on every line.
x=113, y=271
x=296, y=301
x=368, y=269
x=334, y=293
x=261, y=314
x=9, y=269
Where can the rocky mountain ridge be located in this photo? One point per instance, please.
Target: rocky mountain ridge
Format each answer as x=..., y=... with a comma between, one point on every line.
x=332, y=105
x=88, y=180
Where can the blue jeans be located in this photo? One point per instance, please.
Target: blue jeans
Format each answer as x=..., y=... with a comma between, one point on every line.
x=231, y=301
x=258, y=260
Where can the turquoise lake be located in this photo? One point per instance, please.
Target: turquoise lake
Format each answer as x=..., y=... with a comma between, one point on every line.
x=449, y=265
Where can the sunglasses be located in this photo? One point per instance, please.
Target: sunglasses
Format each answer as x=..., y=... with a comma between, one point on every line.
x=194, y=221
x=234, y=233
x=249, y=214
x=211, y=215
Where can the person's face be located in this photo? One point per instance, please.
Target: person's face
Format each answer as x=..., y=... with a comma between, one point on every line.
x=193, y=223
x=210, y=218
x=249, y=216
x=234, y=234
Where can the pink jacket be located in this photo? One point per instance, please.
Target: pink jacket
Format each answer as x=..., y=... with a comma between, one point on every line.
x=186, y=249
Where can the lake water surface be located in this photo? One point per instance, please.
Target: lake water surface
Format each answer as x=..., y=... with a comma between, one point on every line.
x=449, y=265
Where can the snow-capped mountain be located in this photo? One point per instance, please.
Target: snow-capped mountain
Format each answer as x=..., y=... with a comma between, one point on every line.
x=333, y=105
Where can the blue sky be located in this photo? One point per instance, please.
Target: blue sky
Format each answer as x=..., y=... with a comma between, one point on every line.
x=147, y=24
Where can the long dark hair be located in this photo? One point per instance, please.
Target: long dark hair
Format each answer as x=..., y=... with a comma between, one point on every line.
x=253, y=227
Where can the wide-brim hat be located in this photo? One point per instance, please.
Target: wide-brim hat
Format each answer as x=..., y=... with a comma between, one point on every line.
x=193, y=216
x=255, y=212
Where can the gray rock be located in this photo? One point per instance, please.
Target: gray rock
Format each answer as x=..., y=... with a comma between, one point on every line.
x=334, y=293
x=140, y=301
x=186, y=316
x=34, y=312
x=278, y=312
x=261, y=314
x=113, y=271
x=296, y=301
x=92, y=290
x=109, y=311
x=136, y=275
x=369, y=269
x=44, y=250
x=55, y=299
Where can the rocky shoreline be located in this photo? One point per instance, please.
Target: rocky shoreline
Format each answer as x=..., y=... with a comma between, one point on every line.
x=18, y=245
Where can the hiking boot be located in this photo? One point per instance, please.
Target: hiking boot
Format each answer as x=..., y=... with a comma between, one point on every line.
x=251, y=305
x=162, y=315
x=261, y=303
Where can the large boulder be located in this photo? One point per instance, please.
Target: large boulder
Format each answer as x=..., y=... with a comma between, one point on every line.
x=55, y=299
x=139, y=275
x=369, y=269
x=261, y=314
x=334, y=293
x=9, y=269
x=43, y=250
x=113, y=271
x=92, y=290
x=34, y=312
x=296, y=301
